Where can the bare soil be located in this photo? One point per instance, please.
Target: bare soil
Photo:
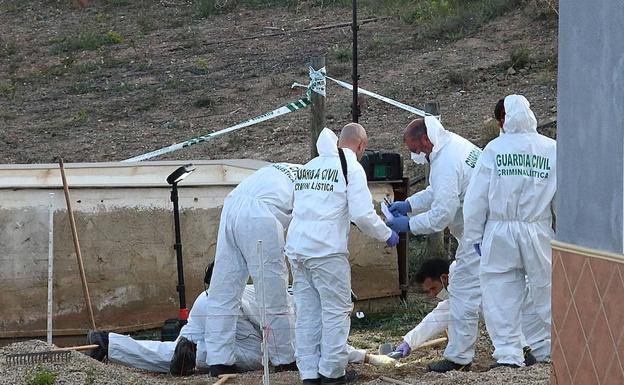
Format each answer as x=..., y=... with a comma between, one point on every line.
x=175, y=77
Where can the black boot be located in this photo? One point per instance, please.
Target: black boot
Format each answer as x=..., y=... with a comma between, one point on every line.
x=529, y=358
x=445, y=365
x=311, y=381
x=217, y=370
x=183, y=360
x=292, y=367
x=350, y=376
x=503, y=365
x=101, y=340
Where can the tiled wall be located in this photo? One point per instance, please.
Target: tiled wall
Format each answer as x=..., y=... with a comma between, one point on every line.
x=588, y=320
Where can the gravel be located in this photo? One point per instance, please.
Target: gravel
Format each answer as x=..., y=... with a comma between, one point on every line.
x=82, y=370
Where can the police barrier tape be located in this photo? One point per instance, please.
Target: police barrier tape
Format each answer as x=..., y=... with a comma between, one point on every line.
x=383, y=98
x=291, y=107
x=317, y=84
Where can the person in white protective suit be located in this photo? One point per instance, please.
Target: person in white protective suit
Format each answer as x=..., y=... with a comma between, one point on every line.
x=316, y=245
x=163, y=357
x=507, y=215
x=258, y=209
x=433, y=275
x=452, y=159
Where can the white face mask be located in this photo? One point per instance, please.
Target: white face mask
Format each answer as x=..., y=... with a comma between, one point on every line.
x=443, y=294
x=419, y=158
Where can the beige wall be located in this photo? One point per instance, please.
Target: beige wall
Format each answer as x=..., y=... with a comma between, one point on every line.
x=125, y=224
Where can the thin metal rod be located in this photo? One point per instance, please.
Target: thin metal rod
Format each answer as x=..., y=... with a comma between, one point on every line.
x=50, y=265
x=265, y=327
x=355, y=107
x=178, y=249
x=72, y=222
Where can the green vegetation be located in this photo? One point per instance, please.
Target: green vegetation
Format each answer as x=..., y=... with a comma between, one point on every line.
x=519, y=57
x=81, y=116
x=342, y=53
x=8, y=88
x=81, y=88
x=8, y=48
x=451, y=19
x=397, y=321
x=88, y=40
x=203, y=102
x=42, y=376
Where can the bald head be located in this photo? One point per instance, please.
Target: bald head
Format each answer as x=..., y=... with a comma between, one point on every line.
x=353, y=136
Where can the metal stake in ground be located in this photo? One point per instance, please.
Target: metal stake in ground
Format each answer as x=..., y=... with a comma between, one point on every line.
x=355, y=106
x=318, y=110
x=265, y=327
x=72, y=223
x=50, y=265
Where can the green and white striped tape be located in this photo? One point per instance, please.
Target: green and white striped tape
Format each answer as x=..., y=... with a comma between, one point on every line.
x=290, y=107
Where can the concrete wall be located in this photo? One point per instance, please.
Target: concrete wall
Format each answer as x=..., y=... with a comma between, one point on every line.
x=590, y=127
x=125, y=224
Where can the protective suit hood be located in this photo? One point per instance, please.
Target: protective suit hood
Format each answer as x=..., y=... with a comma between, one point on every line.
x=437, y=134
x=519, y=118
x=327, y=143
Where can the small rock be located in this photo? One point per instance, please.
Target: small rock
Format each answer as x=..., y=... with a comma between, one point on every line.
x=511, y=71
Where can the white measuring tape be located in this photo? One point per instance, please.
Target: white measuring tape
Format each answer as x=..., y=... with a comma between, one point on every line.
x=291, y=107
x=403, y=106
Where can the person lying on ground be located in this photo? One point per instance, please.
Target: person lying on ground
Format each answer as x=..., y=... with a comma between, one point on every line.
x=181, y=357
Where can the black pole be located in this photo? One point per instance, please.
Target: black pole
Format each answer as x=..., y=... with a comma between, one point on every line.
x=355, y=107
x=178, y=248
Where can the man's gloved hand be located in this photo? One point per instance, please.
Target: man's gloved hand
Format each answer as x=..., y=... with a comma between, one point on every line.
x=399, y=224
x=400, y=208
x=393, y=240
x=477, y=247
x=404, y=349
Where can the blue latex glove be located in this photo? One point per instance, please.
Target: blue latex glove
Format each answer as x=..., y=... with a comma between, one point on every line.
x=399, y=224
x=404, y=349
x=393, y=240
x=477, y=247
x=400, y=208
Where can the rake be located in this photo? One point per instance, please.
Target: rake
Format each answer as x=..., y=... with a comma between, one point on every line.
x=38, y=358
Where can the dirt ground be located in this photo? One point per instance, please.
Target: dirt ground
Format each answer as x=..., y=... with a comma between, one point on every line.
x=173, y=76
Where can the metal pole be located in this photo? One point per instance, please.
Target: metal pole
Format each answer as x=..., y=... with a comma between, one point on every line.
x=50, y=264
x=317, y=109
x=265, y=327
x=183, y=316
x=355, y=107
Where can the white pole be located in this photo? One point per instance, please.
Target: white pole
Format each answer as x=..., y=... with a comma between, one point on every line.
x=50, y=264
x=265, y=351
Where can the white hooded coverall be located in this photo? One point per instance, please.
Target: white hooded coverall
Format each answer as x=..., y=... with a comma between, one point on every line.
x=259, y=208
x=316, y=246
x=155, y=356
x=437, y=321
x=452, y=160
x=507, y=210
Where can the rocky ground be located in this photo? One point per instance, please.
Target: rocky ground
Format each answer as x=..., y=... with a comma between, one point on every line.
x=82, y=370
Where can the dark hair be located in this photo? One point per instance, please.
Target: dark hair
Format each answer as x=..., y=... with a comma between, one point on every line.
x=499, y=110
x=432, y=268
x=415, y=130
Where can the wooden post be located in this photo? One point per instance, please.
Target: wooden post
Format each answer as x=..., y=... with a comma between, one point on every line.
x=318, y=110
x=435, y=242
x=72, y=222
